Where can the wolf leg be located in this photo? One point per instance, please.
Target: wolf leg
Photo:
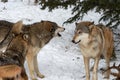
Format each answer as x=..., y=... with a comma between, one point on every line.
x=36, y=68
x=30, y=65
x=107, y=73
x=95, y=76
x=86, y=63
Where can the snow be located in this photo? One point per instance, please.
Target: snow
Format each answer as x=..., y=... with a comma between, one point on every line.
x=60, y=59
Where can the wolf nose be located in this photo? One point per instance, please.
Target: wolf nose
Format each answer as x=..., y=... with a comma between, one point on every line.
x=63, y=28
x=73, y=41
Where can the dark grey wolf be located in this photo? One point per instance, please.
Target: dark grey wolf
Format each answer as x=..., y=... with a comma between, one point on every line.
x=12, y=60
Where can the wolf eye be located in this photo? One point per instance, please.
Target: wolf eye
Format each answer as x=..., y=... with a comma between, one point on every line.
x=79, y=32
x=52, y=29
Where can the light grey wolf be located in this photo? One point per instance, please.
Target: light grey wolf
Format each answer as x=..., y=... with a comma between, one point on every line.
x=94, y=41
x=40, y=34
x=12, y=60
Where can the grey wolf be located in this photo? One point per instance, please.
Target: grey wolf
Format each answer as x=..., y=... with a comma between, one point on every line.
x=12, y=60
x=94, y=41
x=40, y=34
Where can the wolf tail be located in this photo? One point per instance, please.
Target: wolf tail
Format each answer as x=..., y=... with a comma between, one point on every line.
x=10, y=71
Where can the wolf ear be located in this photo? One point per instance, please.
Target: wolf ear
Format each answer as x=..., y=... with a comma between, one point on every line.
x=17, y=27
x=52, y=29
x=92, y=22
x=90, y=27
x=25, y=37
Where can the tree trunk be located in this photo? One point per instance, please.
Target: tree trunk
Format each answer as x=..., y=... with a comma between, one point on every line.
x=36, y=1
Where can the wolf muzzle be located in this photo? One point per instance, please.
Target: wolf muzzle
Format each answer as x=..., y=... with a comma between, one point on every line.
x=59, y=30
x=75, y=42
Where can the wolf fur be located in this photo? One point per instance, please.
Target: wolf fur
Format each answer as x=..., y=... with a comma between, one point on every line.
x=94, y=41
x=12, y=60
x=5, y=33
x=40, y=34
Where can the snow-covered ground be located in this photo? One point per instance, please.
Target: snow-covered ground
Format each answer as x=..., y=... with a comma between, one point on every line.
x=60, y=59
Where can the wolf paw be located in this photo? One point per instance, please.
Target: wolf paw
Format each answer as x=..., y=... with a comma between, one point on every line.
x=40, y=75
x=35, y=79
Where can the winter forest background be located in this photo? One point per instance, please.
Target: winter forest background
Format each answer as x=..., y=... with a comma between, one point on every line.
x=61, y=59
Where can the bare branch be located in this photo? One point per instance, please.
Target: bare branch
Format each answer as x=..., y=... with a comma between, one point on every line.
x=117, y=75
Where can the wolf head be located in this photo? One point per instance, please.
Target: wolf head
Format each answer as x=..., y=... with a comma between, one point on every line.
x=53, y=28
x=42, y=32
x=82, y=31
